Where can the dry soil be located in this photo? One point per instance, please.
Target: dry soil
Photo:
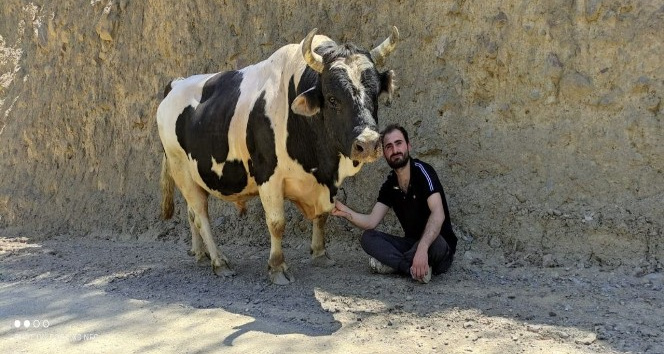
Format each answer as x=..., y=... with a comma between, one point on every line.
x=104, y=293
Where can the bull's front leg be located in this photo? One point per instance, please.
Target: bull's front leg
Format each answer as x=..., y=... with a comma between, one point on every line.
x=319, y=256
x=273, y=203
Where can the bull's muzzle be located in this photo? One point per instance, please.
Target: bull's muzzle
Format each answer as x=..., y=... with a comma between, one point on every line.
x=366, y=147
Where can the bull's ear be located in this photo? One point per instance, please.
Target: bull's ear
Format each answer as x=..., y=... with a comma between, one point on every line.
x=387, y=85
x=307, y=103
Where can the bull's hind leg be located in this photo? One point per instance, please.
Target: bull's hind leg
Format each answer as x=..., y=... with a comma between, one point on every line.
x=220, y=264
x=273, y=203
x=202, y=243
x=198, y=250
x=319, y=256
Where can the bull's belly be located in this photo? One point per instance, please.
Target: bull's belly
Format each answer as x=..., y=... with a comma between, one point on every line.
x=222, y=182
x=241, y=197
x=233, y=185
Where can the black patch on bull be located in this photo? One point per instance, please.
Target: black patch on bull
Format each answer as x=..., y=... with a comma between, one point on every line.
x=203, y=133
x=308, y=141
x=260, y=143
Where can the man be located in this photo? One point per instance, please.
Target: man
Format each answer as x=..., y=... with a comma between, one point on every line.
x=413, y=190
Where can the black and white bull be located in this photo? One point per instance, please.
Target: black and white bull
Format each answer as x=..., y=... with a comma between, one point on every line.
x=290, y=127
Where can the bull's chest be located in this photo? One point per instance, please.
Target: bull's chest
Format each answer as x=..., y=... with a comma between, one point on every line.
x=311, y=197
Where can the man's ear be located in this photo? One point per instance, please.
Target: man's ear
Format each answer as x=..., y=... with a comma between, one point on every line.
x=387, y=85
x=307, y=103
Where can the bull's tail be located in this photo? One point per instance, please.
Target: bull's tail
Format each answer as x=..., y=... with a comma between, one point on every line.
x=167, y=187
x=166, y=182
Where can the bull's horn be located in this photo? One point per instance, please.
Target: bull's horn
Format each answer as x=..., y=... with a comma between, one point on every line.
x=313, y=59
x=379, y=53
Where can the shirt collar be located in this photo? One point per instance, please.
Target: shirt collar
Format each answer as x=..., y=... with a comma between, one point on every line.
x=393, y=175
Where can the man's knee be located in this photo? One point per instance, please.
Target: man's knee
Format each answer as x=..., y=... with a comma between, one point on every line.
x=443, y=266
x=440, y=255
x=439, y=249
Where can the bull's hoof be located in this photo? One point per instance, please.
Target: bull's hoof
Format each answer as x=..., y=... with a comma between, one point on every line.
x=280, y=275
x=322, y=261
x=222, y=268
x=202, y=258
x=223, y=272
x=281, y=278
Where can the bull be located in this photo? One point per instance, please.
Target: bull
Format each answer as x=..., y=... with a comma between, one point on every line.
x=293, y=127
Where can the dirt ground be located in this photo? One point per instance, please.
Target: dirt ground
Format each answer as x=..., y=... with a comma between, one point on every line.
x=108, y=293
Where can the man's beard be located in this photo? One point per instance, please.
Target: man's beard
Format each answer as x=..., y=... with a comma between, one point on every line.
x=400, y=162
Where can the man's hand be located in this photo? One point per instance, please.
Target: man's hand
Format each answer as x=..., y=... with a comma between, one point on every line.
x=363, y=221
x=420, y=265
x=341, y=210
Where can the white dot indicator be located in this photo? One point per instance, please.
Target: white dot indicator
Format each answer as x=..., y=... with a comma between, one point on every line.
x=17, y=323
x=26, y=323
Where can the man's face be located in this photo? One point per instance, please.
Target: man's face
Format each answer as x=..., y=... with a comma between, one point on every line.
x=395, y=149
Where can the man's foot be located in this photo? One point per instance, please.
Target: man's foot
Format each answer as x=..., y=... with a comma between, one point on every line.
x=427, y=277
x=380, y=268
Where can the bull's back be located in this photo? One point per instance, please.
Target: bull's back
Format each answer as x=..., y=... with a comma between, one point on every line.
x=178, y=94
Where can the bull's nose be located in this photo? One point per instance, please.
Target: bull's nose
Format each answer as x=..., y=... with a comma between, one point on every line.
x=361, y=147
x=366, y=146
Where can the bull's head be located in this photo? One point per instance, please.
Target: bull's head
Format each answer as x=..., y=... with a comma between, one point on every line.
x=347, y=93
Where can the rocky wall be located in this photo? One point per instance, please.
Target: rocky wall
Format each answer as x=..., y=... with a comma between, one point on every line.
x=543, y=118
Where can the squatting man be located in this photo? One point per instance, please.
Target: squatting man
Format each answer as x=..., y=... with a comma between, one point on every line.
x=412, y=189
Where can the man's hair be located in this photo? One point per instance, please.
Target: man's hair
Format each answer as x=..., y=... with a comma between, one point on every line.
x=392, y=127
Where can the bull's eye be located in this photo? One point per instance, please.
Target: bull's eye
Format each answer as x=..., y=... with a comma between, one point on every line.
x=333, y=101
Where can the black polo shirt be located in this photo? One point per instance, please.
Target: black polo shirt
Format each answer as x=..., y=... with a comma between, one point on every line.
x=411, y=207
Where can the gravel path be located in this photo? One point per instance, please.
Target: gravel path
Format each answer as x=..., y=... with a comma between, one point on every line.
x=104, y=294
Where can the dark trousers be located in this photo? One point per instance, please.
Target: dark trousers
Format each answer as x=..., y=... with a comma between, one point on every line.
x=398, y=252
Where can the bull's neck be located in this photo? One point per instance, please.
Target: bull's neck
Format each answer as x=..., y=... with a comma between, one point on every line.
x=309, y=144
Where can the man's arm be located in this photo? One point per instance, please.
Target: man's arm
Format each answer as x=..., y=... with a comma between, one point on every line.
x=363, y=221
x=431, y=231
